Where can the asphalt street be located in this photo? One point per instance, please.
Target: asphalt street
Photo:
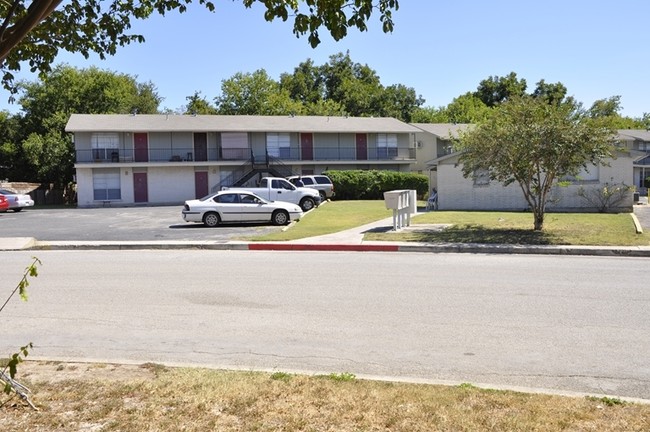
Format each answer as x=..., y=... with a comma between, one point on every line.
x=560, y=323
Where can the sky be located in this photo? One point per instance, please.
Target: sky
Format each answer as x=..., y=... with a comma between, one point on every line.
x=440, y=48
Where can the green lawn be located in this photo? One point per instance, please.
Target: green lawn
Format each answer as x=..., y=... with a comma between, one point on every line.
x=471, y=227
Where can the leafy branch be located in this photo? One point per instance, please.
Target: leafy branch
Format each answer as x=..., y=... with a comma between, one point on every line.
x=7, y=379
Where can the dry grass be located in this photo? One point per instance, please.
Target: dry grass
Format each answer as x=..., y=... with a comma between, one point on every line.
x=154, y=398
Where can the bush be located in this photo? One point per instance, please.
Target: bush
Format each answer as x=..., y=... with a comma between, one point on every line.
x=371, y=184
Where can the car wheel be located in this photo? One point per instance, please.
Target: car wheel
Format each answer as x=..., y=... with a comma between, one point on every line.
x=17, y=209
x=211, y=219
x=323, y=197
x=307, y=204
x=280, y=217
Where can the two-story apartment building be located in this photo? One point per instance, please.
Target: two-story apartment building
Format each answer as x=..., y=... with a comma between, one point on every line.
x=166, y=159
x=433, y=141
x=638, y=142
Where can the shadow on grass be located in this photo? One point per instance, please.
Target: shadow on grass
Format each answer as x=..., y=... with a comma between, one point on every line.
x=479, y=234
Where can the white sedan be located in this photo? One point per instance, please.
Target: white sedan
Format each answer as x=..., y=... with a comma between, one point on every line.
x=17, y=201
x=239, y=207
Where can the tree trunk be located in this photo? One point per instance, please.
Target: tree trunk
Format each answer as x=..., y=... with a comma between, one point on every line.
x=539, y=219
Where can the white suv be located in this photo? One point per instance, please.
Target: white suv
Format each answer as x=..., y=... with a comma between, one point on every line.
x=319, y=182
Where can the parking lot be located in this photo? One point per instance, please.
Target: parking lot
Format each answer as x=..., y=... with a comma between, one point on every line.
x=118, y=224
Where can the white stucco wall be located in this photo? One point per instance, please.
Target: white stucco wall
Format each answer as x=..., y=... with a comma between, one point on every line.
x=458, y=193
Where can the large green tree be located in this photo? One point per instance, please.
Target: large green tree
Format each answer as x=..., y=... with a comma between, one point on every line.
x=534, y=144
x=34, y=31
x=495, y=89
x=43, y=151
x=255, y=94
x=466, y=108
x=342, y=85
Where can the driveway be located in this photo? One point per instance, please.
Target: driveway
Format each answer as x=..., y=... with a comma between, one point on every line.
x=118, y=224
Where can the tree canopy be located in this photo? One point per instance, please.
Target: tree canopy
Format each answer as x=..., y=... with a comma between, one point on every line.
x=34, y=31
x=534, y=144
x=37, y=148
x=339, y=87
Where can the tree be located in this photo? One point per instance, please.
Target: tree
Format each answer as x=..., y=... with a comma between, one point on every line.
x=198, y=104
x=399, y=101
x=44, y=151
x=495, y=90
x=550, y=93
x=608, y=109
x=534, y=144
x=339, y=87
x=305, y=84
x=467, y=109
x=255, y=94
x=35, y=31
x=430, y=115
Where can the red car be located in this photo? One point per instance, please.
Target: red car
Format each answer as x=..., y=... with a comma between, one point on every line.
x=4, y=204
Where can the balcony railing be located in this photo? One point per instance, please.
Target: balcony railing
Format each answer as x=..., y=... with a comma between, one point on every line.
x=104, y=155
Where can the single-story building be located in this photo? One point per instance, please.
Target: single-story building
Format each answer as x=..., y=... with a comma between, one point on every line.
x=456, y=192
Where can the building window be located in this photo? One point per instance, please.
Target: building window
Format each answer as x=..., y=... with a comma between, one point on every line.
x=386, y=146
x=481, y=177
x=278, y=145
x=234, y=145
x=106, y=185
x=105, y=145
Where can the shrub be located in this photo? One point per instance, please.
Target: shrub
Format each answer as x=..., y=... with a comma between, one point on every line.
x=371, y=184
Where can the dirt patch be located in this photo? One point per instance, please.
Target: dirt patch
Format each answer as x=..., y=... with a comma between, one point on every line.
x=52, y=371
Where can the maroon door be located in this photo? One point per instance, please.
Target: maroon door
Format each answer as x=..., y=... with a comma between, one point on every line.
x=307, y=146
x=201, y=147
x=200, y=184
x=140, y=147
x=362, y=147
x=140, y=194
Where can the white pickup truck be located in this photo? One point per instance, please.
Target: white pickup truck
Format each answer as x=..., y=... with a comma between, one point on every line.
x=279, y=189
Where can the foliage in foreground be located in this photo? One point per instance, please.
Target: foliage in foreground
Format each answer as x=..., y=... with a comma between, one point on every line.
x=12, y=387
x=160, y=398
x=35, y=31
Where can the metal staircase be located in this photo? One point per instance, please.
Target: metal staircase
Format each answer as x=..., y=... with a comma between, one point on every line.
x=256, y=165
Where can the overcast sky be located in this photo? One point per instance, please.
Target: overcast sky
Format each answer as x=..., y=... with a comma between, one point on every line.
x=442, y=49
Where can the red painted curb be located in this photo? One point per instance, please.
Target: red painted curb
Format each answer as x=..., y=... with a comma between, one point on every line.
x=322, y=247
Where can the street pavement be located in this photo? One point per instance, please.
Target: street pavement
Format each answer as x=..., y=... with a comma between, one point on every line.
x=348, y=240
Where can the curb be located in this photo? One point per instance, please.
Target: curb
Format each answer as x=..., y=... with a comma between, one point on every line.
x=17, y=244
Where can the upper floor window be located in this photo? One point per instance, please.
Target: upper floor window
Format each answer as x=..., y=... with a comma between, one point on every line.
x=104, y=145
x=278, y=145
x=234, y=145
x=386, y=145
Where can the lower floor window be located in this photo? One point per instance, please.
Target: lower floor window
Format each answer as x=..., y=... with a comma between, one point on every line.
x=106, y=185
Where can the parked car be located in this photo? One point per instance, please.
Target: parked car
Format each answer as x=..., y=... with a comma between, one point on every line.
x=17, y=202
x=4, y=204
x=239, y=207
x=321, y=183
x=279, y=189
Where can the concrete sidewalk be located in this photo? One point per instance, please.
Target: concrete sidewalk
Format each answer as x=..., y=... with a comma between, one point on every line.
x=348, y=240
